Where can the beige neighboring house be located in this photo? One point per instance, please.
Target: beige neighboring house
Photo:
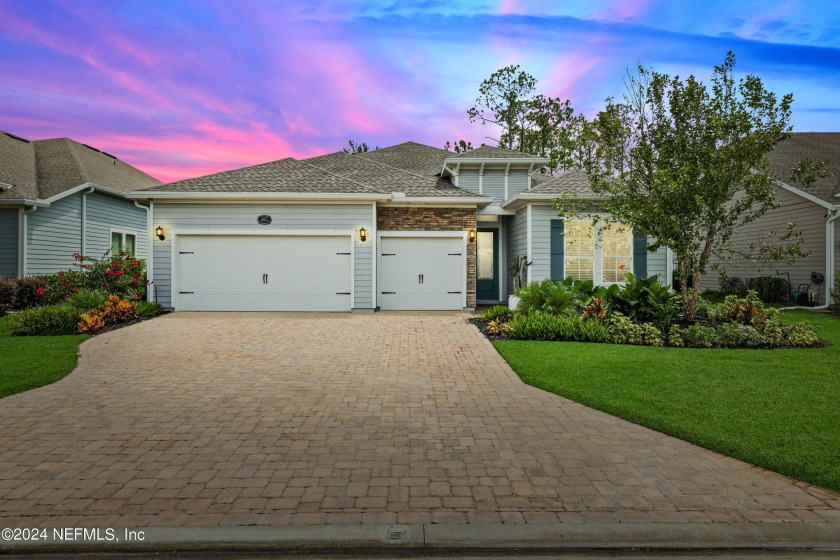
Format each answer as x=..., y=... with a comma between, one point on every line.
x=814, y=210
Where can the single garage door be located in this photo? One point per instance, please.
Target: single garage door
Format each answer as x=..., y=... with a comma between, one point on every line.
x=263, y=273
x=421, y=273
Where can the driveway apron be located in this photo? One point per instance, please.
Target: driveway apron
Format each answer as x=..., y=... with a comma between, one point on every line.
x=274, y=419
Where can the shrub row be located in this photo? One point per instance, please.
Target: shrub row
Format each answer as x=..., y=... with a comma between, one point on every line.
x=84, y=312
x=771, y=289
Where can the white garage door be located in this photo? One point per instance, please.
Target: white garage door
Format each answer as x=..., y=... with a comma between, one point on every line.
x=421, y=273
x=263, y=273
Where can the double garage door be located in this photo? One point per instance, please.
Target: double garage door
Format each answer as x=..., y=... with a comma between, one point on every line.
x=263, y=273
x=314, y=273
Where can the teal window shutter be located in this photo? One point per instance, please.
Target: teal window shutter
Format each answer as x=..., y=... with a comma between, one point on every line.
x=640, y=254
x=558, y=249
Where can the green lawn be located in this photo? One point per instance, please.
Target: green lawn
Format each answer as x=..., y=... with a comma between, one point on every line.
x=27, y=362
x=774, y=408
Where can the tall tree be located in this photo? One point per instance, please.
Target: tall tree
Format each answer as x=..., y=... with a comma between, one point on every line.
x=504, y=100
x=458, y=146
x=357, y=147
x=687, y=163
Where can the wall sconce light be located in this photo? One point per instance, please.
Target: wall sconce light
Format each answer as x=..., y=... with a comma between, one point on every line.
x=472, y=236
x=159, y=233
x=363, y=235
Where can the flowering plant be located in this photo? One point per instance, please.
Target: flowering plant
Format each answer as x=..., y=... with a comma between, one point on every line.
x=119, y=274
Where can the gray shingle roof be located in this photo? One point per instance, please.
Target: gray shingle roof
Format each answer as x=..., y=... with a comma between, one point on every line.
x=284, y=175
x=485, y=151
x=44, y=168
x=575, y=182
x=384, y=178
x=822, y=146
x=410, y=156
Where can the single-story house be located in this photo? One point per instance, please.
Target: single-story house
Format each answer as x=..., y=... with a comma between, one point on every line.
x=59, y=197
x=405, y=227
x=814, y=209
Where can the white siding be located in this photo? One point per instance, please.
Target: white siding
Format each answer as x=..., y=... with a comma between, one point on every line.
x=53, y=234
x=284, y=217
x=9, y=242
x=105, y=212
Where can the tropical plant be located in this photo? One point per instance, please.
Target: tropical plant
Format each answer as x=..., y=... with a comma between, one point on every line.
x=497, y=312
x=86, y=300
x=48, y=320
x=645, y=299
x=147, y=309
x=596, y=309
x=519, y=272
x=547, y=296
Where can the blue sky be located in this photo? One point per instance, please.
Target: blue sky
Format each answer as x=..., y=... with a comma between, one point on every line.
x=187, y=88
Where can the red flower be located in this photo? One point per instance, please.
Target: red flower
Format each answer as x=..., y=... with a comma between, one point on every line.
x=77, y=256
x=116, y=265
x=76, y=289
x=67, y=297
x=134, y=282
x=138, y=298
x=61, y=275
x=109, y=272
x=40, y=291
x=138, y=275
x=120, y=273
x=138, y=262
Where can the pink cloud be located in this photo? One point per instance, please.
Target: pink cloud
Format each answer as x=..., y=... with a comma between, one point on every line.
x=565, y=75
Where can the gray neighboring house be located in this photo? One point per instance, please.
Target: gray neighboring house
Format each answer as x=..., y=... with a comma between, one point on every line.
x=59, y=197
x=405, y=227
x=813, y=209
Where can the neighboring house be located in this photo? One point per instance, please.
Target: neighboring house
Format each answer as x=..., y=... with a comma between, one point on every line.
x=59, y=197
x=813, y=209
x=405, y=227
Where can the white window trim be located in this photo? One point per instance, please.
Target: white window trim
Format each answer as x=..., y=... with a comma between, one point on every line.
x=598, y=265
x=124, y=232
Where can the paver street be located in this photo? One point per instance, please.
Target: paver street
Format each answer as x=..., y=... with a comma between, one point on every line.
x=274, y=419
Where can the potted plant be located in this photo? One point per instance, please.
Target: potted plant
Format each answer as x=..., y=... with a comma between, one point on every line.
x=518, y=272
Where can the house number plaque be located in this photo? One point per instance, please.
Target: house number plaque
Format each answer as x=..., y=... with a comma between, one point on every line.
x=264, y=220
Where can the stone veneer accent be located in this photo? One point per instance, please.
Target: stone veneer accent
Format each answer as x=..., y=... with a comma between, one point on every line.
x=391, y=218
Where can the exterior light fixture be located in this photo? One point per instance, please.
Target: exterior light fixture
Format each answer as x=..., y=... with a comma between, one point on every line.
x=472, y=236
x=159, y=233
x=363, y=235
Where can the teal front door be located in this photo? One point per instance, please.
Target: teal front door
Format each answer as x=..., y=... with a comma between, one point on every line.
x=487, y=265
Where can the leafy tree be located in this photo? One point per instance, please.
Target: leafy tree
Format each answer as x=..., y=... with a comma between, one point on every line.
x=357, y=147
x=504, y=100
x=459, y=146
x=688, y=163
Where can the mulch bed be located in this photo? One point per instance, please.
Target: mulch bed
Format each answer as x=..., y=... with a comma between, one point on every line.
x=481, y=324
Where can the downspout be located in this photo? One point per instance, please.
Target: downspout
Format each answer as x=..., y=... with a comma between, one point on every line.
x=150, y=246
x=830, y=217
x=25, y=233
x=84, y=220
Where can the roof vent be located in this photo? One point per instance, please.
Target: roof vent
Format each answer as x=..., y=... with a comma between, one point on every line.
x=5, y=186
x=398, y=194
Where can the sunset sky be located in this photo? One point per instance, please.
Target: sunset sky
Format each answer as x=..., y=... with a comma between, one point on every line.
x=181, y=89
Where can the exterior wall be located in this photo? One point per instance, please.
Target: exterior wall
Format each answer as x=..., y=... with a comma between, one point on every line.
x=657, y=263
x=9, y=242
x=493, y=184
x=413, y=218
x=105, y=212
x=517, y=182
x=53, y=234
x=541, y=216
x=468, y=180
x=517, y=242
x=808, y=217
x=179, y=217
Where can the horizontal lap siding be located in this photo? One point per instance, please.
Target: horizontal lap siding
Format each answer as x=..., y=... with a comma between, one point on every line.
x=541, y=216
x=105, y=212
x=53, y=234
x=9, y=242
x=493, y=184
x=657, y=263
x=517, y=182
x=517, y=244
x=348, y=217
x=468, y=179
x=808, y=217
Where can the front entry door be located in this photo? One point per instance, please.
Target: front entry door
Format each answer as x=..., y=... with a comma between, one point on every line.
x=487, y=265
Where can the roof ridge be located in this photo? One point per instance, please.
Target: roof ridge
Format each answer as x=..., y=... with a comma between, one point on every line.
x=397, y=168
x=321, y=169
x=83, y=172
x=232, y=170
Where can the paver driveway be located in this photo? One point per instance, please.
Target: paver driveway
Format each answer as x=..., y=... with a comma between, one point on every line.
x=332, y=418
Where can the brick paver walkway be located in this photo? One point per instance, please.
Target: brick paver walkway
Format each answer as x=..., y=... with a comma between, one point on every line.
x=342, y=419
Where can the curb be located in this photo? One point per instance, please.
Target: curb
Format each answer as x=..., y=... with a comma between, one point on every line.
x=485, y=539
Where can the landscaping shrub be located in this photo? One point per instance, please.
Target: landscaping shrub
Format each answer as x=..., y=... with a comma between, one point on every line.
x=675, y=337
x=732, y=285
x=799, y=334
x=548, y=297
x=31, y=291
x=835, y=293
x=645, y=299
x=114, y=310
x=624, y=331
x=772, y=289
x=593, y=330
x=121, y=275
x=698, y=336
x=547, y=326
x=737, y=335
x=497, y=312
x=46, y=320
x=150, y=309
x=8, y=291
x=86, y=300
x=596, y=309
